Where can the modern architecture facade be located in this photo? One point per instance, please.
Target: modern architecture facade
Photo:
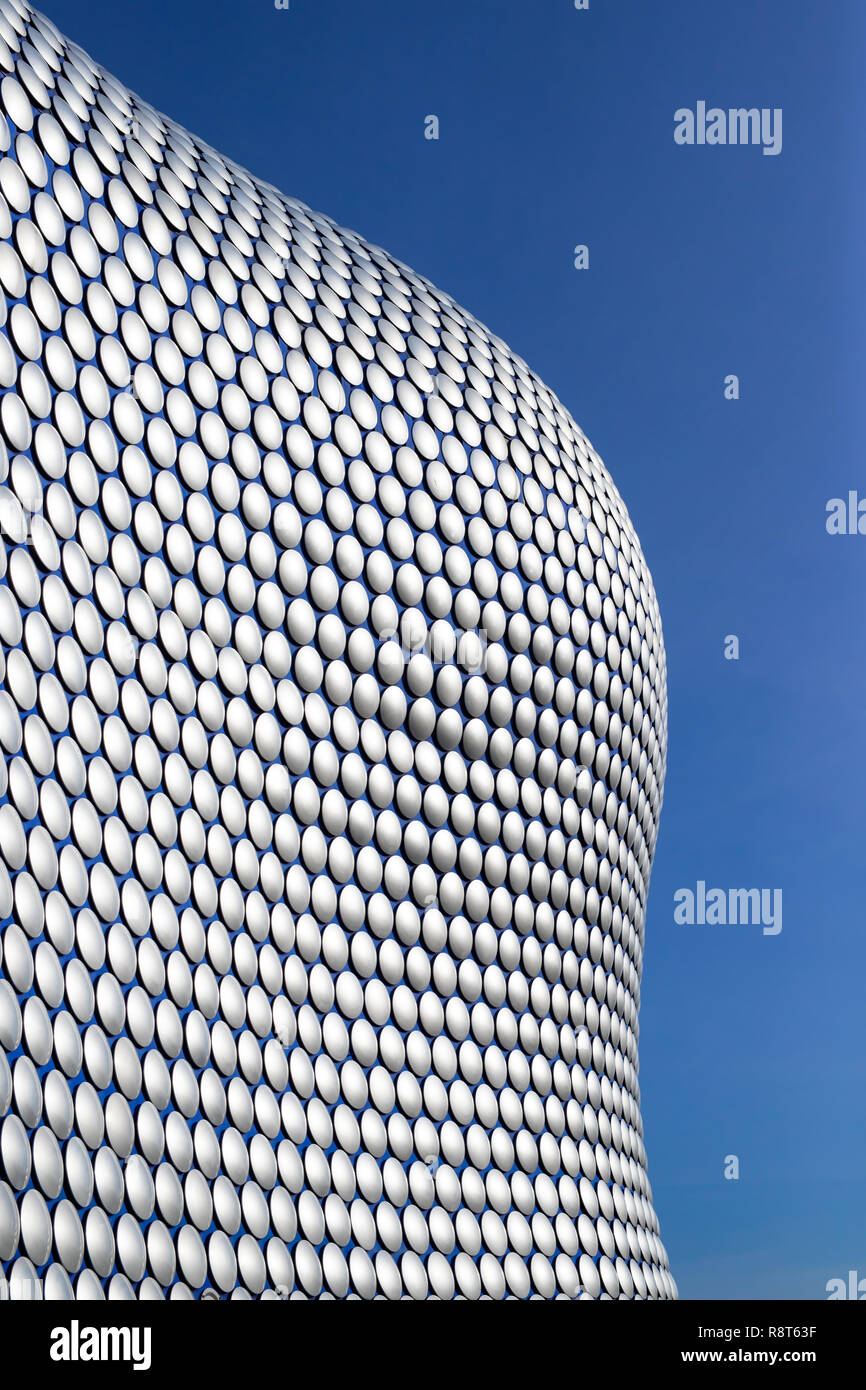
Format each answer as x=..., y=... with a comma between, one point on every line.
x=333, y=728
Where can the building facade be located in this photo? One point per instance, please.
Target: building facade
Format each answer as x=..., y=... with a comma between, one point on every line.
x=333, y=727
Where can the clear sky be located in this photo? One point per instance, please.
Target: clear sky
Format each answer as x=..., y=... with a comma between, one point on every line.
x=557, y=129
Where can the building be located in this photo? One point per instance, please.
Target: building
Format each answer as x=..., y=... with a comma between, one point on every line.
x=333, y=724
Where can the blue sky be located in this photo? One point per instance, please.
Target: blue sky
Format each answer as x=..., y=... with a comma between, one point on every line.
x=556, y=128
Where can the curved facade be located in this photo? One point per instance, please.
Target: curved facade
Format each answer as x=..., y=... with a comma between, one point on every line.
x=333, y=726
